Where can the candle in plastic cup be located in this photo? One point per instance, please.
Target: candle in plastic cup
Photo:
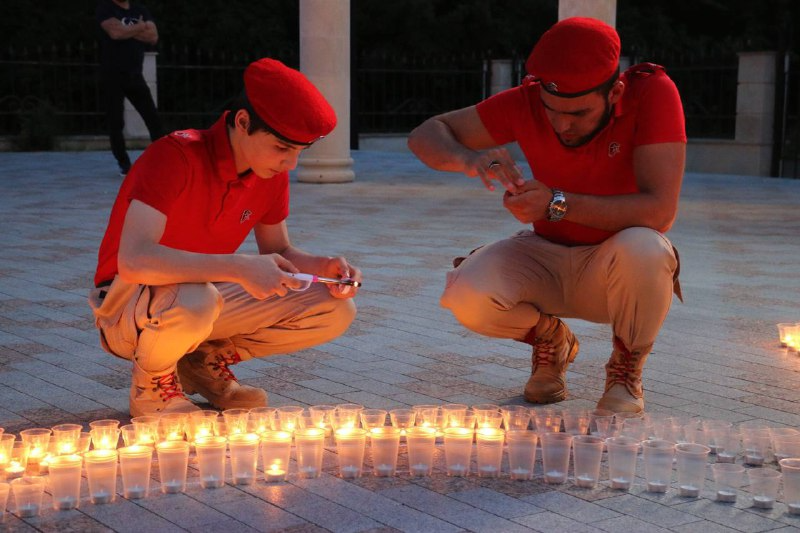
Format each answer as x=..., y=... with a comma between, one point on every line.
x=135, y=463
x=244, y=457
x=782, y=440
x=576, y=421
x=658, y=455
x=236, y=420
x=173, y=462
x=384, y=447
x=6, y=445
x=784, y=335
x=764, y=484
x=546, y=419
x=718, y=432
x=622, y=453
x=104, y=434
x=5, y=490
x=373, y=418
x=309, y=444
x=489, y=450
x=17, y=460
x=38, y=442
x=521, y=444
x=555, y=456
x=457, y=450
x=515, y=417
x=587, y=452
x=402, y=419
x=790, y=468
x=101, y=472
x=66, y=437
x=421, y=443
x=146, y=430
x=728, y=479
x=487, y=415
x=172, y=426
x=27, y=493
x=426, y=415
x=261, y=419
x=347, y=415
x=605, y=416
x=350, y=447
x=201, y=424
x=65, y=481
x=453, y=415
x=322, y=417
x=276, y=447
x=211, y=460
x=756, y=442
x=691, y=460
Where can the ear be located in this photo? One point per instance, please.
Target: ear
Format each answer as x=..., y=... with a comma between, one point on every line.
x=616, y=92
x=242, y=120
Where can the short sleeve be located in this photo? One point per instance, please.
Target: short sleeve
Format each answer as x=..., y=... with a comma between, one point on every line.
x=660, y=117
x=278, y=209
x=160, y=175
x=103, y=12
x=498, y=113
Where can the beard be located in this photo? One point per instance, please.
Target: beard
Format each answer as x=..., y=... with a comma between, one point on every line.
x=580, y=141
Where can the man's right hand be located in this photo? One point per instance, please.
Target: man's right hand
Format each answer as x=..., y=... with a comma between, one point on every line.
x=495, y=164
x=265, y=275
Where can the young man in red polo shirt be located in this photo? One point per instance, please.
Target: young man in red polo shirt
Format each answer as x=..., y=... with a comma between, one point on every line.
x=607, y=154
x=173, y=295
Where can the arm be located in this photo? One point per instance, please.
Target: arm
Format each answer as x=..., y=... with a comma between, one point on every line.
x=143, y=260
x=274, y=239
x=149, y=35
x=659, y=173
x=118, y=31
x=459, y=142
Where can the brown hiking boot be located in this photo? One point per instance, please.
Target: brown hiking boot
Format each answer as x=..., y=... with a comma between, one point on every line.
x=554, y=348
x=624, y=393
x=208, y=375
x=157, y=394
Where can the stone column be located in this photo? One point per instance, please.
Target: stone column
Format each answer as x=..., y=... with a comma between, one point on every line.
x=134, y=125
x=755, y=108
x=325, y=60
x=501, y=75
x=605, y=10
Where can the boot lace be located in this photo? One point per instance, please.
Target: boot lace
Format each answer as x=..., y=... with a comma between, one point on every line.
x=221, y=363
x=622, y=367
x=167, y=386
x=544, y=353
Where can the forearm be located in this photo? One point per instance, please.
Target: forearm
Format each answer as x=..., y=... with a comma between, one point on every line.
x=435, y=144
x=304, y=261
x=149, y=35
x=614, y=213
x=161, y=265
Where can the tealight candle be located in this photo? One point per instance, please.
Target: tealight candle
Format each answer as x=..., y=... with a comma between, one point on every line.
x=244, y=457
x=14, y=470
x=275, y=452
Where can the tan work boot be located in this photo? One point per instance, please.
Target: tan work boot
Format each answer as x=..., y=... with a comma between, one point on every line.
x=554, y=348
x=208, y=375
x=624, y=393
x=157, y=394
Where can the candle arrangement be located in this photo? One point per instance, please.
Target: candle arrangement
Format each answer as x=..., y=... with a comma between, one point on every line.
x=486, y=441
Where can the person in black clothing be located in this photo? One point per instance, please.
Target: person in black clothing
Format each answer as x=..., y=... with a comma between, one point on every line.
x=128, y=30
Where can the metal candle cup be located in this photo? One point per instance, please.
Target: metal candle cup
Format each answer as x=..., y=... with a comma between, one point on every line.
x=384, y=447
x=350, y=446
x=458, y=450
x=521, y=445
x=173, y=462
x=135, y=464
x=276, y=448
x=421, y=443
x=244, y=457
x=65, y=481
x=309, y=445
x=211, y=460
x=101, y=472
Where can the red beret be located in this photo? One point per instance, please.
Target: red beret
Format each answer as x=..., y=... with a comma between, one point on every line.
x=287, y=102
x=575, y=57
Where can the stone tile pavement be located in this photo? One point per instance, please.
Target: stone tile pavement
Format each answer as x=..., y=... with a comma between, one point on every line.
x=717, y=356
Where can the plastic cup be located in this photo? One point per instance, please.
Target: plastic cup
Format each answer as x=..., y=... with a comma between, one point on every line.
x=790, y=468
x=487, y=415
x=784, y=334
x=728, y=479
x=38, y=441
x=426, y=415
x=632, y=425
x=261, y=419
x=515, y=417
x=384, y=447
x=210, y=452
x=547, y=420
x=5, y=490
x=276, y=447
x=350, y=447
x=587, y=452
x=717, y=431
x=244, y=457
x=373, y=418
x=756, y=443
x=27, y=492
x=309, y=445
x=236, y=420
x=101, y=472
x=146, y=430
x=65, y=481
x=781, y=442
x=622, y=453
x=172, y=426
x=658, y=455
x=66, y=437
x=173, y=462
x=18, y=460
x=555, y=456
x=576, y=421
x=347, y=415
x=453, y=415
x=421, y=444
x=322, y=417
x=521, y=444
x=457, y=450
x=489, y=450
x=402, y=419
x=6, y=445
x=764, y=484
x=135, y=463
x=691, y=460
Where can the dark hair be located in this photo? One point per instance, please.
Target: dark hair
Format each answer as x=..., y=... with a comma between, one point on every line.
x=256, y=122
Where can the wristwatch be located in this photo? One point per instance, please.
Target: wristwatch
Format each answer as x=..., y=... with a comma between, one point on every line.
x=558, y=206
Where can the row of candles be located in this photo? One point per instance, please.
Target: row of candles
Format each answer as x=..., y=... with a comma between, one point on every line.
x=245, y=435
x=789, y=335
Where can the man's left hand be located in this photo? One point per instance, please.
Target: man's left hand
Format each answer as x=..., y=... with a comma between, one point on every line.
x=530, y=203
x=338, y=267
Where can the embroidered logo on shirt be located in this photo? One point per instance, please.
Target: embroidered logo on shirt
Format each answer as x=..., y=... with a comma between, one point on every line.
x=183, y=134
x=246, y=214
x=613, y=149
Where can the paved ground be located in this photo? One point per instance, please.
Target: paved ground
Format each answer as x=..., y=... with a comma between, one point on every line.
x=717, y=356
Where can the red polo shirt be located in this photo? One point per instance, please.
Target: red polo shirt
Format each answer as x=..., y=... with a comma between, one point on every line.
x=649, y=112
x=191, y=178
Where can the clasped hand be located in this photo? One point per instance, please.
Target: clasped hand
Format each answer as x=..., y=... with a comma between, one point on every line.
x=530, y=202
x=265, y=275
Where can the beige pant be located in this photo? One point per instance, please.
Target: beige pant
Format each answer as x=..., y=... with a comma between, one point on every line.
x=160, y=324
x=626, y=281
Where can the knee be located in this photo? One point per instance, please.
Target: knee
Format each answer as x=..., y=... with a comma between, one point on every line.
x=197, y=305
x=340, y=313
x=643, y=248
x=472, y=307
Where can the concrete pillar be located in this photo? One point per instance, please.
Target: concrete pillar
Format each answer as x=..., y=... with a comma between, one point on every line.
x=325, y=60
x=501, y=75
x=755, y=107
x=605, y=10
x=134, y=125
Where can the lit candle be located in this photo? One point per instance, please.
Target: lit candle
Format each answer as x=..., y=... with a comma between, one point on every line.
x=14, y=470
x=275, y=473
x=66, y=448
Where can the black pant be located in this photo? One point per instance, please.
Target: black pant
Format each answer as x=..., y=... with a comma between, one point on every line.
x=116, y=87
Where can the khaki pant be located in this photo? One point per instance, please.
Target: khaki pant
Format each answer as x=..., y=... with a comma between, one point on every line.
x=157, y=325
x=626, y=281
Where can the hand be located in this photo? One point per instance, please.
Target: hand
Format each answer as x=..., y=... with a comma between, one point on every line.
x=495, y=164
x=530, y=203
x=265, y=275
x=338, y=267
